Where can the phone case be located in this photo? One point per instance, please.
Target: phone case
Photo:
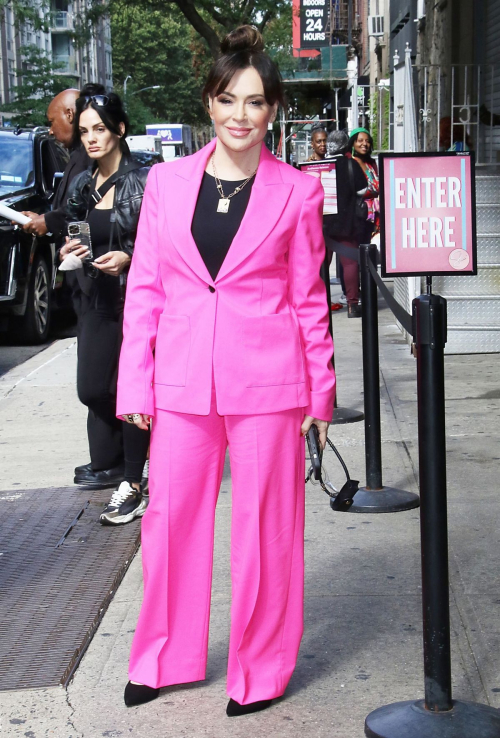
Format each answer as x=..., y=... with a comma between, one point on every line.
x=81, y=229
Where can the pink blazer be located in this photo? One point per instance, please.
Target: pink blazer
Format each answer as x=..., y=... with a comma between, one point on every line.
x=260, y=329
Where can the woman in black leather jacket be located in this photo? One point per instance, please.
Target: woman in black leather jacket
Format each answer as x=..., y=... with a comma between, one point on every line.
x=108, y=197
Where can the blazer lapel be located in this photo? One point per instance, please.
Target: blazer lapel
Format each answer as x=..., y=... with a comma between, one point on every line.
x=267, y=201
x=183, y=195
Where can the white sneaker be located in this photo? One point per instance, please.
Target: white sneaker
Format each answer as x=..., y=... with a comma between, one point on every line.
x=126, y=504
x=343, y=299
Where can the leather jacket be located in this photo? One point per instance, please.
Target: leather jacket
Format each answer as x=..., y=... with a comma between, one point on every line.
x=129, y=190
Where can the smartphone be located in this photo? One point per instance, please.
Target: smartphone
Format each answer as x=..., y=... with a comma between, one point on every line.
x=315, y=452
x=80, y=229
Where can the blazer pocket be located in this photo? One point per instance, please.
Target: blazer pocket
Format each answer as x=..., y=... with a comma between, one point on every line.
x=273, y=351
x=173, y=343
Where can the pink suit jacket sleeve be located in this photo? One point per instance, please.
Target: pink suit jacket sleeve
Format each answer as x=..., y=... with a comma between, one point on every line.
x=307, y=295
x=144, y=303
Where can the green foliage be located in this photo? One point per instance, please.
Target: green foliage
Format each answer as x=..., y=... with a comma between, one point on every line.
x=379, y=119
x=39, y=83
x=213, y=20
x=156, y=48
x=278, y=40
x=138, y=113
x=230, y=15
x=27, y=11
x=86, y=20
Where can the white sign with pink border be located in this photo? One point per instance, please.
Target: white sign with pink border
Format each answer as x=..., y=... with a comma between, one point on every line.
x=428, y=214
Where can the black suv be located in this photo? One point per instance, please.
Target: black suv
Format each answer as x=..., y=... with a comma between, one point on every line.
x=31, y=166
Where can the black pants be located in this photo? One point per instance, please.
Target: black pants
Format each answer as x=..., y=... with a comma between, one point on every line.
x=112, y=442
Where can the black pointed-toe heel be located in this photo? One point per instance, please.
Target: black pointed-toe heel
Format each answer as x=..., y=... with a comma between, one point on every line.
x=234, y=708
x=138, y=694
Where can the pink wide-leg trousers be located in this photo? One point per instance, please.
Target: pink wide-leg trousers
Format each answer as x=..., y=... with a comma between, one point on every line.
x=267, y=550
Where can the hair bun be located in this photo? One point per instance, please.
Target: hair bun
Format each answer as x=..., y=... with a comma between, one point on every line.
x=244, y=38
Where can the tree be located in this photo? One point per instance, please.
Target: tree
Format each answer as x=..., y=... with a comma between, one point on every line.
x=156, y=48
x=278, y=39
x=214, y=20
x=28, y=11
x=39, y=83
x=36, y=13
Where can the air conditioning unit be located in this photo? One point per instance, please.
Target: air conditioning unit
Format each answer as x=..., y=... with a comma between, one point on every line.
x=376, y=25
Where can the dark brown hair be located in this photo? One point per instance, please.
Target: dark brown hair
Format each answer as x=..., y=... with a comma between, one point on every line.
x=112, y=113
x=243, y=48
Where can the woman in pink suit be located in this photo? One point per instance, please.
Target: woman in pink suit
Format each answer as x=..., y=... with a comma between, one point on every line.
x=226, y=344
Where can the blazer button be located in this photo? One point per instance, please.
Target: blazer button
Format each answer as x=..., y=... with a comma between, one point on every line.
x=212, y=289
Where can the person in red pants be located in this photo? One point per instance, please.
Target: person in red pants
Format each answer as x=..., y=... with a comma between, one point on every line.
x=344, y=227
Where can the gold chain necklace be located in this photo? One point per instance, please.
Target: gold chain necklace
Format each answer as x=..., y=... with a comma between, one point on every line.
x=224, y=202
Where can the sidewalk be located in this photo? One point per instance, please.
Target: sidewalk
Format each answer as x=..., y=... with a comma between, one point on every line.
x=362, y=646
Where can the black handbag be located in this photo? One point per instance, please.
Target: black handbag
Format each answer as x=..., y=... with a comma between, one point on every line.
x=342, y=500
x=360, y=206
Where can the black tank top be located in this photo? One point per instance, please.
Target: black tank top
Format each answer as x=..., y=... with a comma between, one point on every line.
x=214, y=232
x=106, y=287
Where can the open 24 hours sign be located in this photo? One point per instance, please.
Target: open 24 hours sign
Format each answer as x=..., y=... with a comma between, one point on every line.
x=428, y=214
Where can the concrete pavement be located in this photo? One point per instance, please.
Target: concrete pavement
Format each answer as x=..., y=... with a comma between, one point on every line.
x=362, y=646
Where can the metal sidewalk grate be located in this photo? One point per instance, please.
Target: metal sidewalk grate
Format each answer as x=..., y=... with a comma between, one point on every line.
x=59, y=569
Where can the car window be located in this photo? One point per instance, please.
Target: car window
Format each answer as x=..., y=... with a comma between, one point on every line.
x=16, y=164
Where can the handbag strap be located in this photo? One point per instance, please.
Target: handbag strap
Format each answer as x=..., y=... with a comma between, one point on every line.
x=350, y=164
x=96, y=195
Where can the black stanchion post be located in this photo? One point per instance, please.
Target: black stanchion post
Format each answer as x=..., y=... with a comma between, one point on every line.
x=438, y=715
x=375, y=497
x=371, y=377
x=430, y=332
x=341, y=415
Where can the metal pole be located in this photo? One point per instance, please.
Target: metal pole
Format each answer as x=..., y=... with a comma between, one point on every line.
x=325, y=275
x=283, y=135
x=438, y=716
x=349, y=23
x=341, y=415
x=125, y=85
x=374, y=497
x=430, y=329
x=371, y=371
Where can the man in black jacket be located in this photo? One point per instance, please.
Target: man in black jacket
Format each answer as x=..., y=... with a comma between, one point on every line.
x=60, y=114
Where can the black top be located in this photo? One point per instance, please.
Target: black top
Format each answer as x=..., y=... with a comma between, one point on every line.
x=214, y=232
x=100, y=230
x=107, y=286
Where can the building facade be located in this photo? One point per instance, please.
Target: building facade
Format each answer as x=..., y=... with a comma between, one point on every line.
x=455, y=54
x=80, y=64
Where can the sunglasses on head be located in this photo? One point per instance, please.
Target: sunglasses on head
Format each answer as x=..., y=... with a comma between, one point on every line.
x=100, y=100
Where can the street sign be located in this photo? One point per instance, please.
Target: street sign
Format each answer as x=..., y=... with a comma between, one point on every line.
x=314, y=17
x=428, y=214
x=169, y=132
